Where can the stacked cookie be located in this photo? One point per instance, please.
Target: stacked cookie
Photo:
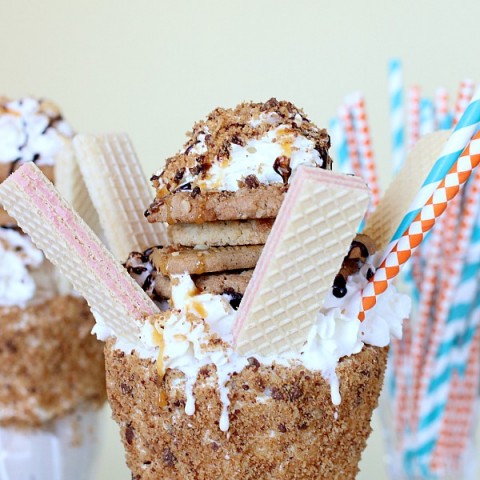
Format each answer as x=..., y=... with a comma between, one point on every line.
x=221, y=194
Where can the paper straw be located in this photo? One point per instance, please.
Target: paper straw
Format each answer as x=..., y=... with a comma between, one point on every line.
x=465, y=93
x=437, y=381
x=339, y=142
x=364, y=142
x=467, y=395
x=427, y=118
x=455, y=246
x=347, y=123
x=395, y=89
x=433, y=377
x=422, y=223
x=443, y=117
x=426, y=302
x=457, y=426
x=461, y=135
x=402, y=371
x=413, y=116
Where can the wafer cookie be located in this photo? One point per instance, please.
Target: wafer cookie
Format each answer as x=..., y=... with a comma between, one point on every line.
x=7, y=168
x=69, y=182
x=383, y=222
x=71, y=245
x=309, y=239
x=120, y=192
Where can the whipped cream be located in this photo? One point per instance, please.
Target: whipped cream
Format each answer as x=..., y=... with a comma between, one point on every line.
x=19, y=259
x=259, y=157
x=31, y=130
x=272, y=158
x=338, y=332
x=198, y=335
x=25, y=275
x=198, y=332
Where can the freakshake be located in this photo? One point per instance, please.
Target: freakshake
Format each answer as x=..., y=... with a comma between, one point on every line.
x=51, y=367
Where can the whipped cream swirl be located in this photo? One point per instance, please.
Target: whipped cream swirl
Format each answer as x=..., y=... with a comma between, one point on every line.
x=198, y=332
x=31, y=130
x=272, y=158
x=18, y=258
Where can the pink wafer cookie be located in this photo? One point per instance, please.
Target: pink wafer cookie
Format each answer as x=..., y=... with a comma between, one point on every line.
x=71, y=245
x=310, y=237
x=120, y=192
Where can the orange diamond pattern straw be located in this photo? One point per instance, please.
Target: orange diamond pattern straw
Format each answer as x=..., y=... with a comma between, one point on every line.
x=457, y=424
x=423, y=222
x=364, y=143
x=413, y=116
x=465, y=94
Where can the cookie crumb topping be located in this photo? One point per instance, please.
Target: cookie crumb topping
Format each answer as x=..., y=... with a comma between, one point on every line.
x=252, y=144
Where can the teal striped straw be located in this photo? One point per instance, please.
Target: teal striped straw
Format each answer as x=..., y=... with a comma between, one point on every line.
x=459, y=139
x=339, y=144
x=457, y=330
x=457, y=337
x=395, y=87
x=427, y=117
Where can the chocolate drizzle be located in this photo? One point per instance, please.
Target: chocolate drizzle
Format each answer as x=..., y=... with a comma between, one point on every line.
x=360, y=249
x=12, y=226
x=234, y=297
x=32, y=145
x=339, y=289
x=141, y=269
x=282, y=167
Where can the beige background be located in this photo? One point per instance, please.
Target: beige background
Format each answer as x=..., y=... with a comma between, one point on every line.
x=151, y=67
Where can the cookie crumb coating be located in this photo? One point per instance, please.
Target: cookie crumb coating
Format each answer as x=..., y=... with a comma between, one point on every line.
x=50, y=363
x=283, y=424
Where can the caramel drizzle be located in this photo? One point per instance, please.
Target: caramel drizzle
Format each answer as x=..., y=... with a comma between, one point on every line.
x=160, y=342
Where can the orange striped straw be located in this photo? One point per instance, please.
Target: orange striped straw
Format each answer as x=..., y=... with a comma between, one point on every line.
x=423, y=222
x=447, y=273
x=402, y=368
x=455, y=243
x=465, y=94
x=464, y=405
x=428, y=288
x=442, y=113
x=413, y=116
x=352, y=146
x=457, y=426
x=364, y=143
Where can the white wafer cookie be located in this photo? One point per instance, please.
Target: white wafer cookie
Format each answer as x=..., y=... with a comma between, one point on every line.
x=383, y=222
x=69, y=182
x=70, y=244
x=316, y=224
x=120, y=192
